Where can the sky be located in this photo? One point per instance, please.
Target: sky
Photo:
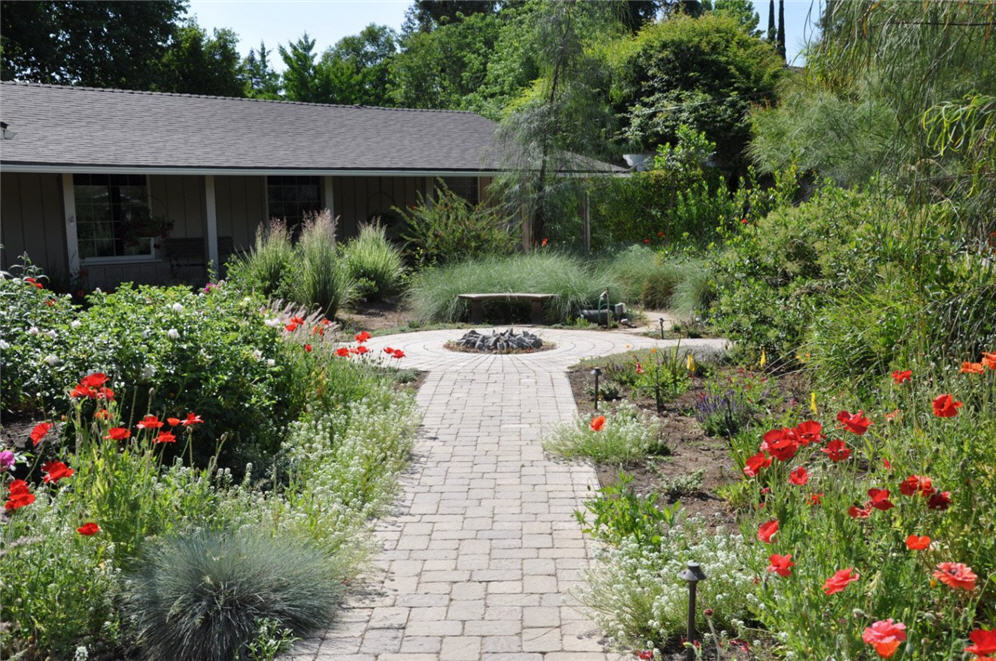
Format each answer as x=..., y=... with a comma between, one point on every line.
x=327, y=21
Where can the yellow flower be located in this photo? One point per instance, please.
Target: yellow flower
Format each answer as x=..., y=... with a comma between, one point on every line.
x=690, y=363
x=812, y=403
x=764, y=359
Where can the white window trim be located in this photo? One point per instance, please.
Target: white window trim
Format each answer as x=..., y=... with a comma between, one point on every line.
x=120, y=259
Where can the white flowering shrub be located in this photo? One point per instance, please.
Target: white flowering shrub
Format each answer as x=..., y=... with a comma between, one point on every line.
x=626, y=434
x=637, y=598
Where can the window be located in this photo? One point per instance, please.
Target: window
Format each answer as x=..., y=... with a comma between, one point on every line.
x=112, y=216
x=290, y=198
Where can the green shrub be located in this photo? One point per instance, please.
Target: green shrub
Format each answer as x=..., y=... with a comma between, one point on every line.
x=434, y=291
x=373, y=263
x=450, y=229
x=626, y=435
x=203, y=595
x=320, y=278
x=619, y=514
x=34, y=329
x=266, y=269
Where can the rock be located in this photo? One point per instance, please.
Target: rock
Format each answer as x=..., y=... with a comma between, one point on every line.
x=500, y=342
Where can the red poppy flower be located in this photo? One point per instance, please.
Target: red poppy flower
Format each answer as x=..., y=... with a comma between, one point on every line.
x=886, y=464
x=799, y=476
x=972, y=368
x=360, y=350
x=945, y=406
x=880, y=499
x=39, y=431
x=362, y=337
x=307, y=347
x=291, y=327
x=984, y=641
x=939, y=500
x=784, y=448
x=597, y=423
x=101, y=414
x=956, y=575
x=780, y=564
x=856, y=512
x=166, y=437
x=892, y=415
x=318, y=330
x=916, y=483
x=342, y=352
x=647, y=241
x=398, y=353
x=297, y=320
x=774, y=435
x=755, y=463
x=82, y=391
x=150, y=422
x=49, y=302
x=989, y=359
x=95, y=380
x=543, y=245
x=105, y=393
x=55, y=471
x=902, y=376
x=840, y=580
x=645, y=654
x=173, y=422
x=88, y=529
x=34, y=283
x=914, y=543
x=816, y=498
x=836, y=450
x=388, y=350
x=767, y=530
x=885, y=636
x=191, y=419
x=855, y=423
x=809, y=431
x=18, y=495
x=639, y=368
x=118, y=434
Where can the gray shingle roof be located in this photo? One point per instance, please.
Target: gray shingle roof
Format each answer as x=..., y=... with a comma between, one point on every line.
x=79, y=126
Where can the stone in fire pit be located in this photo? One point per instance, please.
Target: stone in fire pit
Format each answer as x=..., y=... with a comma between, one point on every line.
x=500, y=342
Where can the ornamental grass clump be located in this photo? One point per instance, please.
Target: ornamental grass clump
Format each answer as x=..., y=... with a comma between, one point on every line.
x=373, y=263
x=321, y=279
x=202, y=596
x=622, y=435
x=264, y=269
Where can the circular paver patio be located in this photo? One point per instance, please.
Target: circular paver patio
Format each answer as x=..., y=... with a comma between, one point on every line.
x=480, y=557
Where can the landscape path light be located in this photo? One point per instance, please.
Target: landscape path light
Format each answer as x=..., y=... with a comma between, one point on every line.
x=693, y=574
x=597, y=372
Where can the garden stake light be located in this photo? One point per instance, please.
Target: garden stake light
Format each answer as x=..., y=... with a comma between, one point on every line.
x=597, y=372
x=693, y=574
x=661, y=322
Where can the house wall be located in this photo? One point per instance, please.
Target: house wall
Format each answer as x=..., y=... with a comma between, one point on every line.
x=359, y=199
x=241, y=204
x=31, y=221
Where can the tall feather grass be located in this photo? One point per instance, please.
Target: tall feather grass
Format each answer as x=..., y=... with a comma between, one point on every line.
x=264, y=268
x=434, y=292
x=642, y=276
x=321, y=278
x=374, y=263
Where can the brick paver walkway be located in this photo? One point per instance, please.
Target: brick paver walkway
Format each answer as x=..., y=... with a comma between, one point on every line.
x=480, y=558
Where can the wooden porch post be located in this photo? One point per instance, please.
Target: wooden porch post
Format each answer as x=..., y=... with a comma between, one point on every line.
x=69, y=211
x=211, y=221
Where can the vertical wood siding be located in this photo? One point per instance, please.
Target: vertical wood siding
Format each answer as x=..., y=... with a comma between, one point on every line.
x=31, y=221
x=241, y=203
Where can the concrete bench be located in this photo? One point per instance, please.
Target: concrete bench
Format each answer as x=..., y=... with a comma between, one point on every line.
x=477, y=304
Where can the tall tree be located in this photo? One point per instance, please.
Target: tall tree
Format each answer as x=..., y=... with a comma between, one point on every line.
x=261, y=80
x=427, y=15
x=75, y=42
x=781, y=28
x=300, y=78
x=742, y=10
x=358, y=67
x=772, y=31
x=198, y=63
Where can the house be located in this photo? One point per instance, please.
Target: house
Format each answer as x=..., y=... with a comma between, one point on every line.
x=106, y=186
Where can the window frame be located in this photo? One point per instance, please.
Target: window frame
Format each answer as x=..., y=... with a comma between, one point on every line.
x=292, y=225
x=115, y=259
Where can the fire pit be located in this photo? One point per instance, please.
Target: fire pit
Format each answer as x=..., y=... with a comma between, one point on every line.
x=507, y=341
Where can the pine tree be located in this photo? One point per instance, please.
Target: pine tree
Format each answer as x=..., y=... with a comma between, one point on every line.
x=781, y=28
